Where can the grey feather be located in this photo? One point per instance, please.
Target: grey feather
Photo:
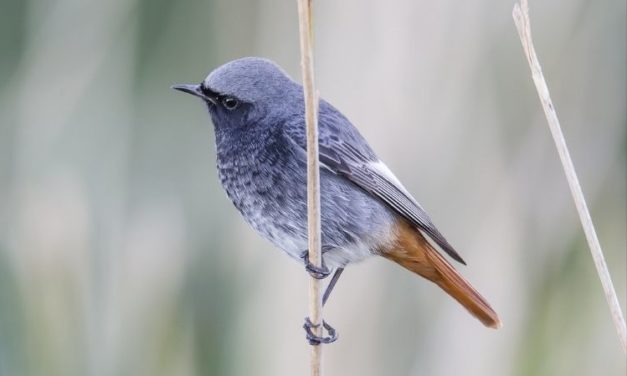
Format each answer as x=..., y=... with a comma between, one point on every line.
x=350, y=156
x=260, y=145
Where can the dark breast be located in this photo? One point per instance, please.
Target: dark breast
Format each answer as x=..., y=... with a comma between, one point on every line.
x=266, y=180
x=265, y=183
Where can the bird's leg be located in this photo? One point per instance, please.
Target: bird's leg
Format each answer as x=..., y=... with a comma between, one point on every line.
x=311, y=337
x=331, y=285
x=318, y=272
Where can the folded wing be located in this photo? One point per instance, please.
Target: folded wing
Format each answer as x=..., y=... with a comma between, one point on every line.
x=344, y=152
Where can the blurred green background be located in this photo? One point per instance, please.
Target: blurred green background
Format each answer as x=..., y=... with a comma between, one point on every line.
x=120, y=254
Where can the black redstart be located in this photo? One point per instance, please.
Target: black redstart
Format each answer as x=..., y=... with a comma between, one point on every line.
x=258, y=115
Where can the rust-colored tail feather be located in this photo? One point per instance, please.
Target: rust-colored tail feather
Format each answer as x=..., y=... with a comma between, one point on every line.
x=412, y=251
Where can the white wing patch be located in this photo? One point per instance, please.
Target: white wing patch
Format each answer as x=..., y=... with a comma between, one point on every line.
x=386, y=173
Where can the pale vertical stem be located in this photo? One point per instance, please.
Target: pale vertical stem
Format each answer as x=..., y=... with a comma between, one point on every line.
x=313, y=173
x=521, y=18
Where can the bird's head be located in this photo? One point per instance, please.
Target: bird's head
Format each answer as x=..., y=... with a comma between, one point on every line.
x=242, y=92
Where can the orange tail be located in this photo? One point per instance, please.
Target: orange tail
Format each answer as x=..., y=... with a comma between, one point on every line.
x=413, y=252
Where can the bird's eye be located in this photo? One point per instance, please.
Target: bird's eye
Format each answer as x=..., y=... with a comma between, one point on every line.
x=230, y=103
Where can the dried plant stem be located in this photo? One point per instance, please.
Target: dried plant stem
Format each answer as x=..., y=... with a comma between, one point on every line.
x=313, y=174
x=521, y=18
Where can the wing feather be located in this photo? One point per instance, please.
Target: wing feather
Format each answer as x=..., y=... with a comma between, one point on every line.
x=351, y=157
x=346, y=162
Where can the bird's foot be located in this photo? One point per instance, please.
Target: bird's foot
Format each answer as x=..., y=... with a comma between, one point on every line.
x=318, y=272
x=315, y=340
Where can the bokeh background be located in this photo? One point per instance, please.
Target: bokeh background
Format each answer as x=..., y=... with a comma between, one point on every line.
x=120, y=254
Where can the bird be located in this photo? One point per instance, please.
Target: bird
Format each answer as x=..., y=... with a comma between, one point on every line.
x=258, y=114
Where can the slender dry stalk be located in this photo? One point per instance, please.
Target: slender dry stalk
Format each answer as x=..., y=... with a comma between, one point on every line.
x=521, y=18
x=313, y=174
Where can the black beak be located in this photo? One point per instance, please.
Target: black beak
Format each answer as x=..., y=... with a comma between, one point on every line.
x=195, y=90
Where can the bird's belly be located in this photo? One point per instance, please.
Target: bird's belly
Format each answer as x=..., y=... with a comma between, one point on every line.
x=275, y=210
x=354, y=226
x=294, y=243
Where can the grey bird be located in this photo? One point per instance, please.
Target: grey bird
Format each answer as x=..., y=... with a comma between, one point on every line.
x=258, y=116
